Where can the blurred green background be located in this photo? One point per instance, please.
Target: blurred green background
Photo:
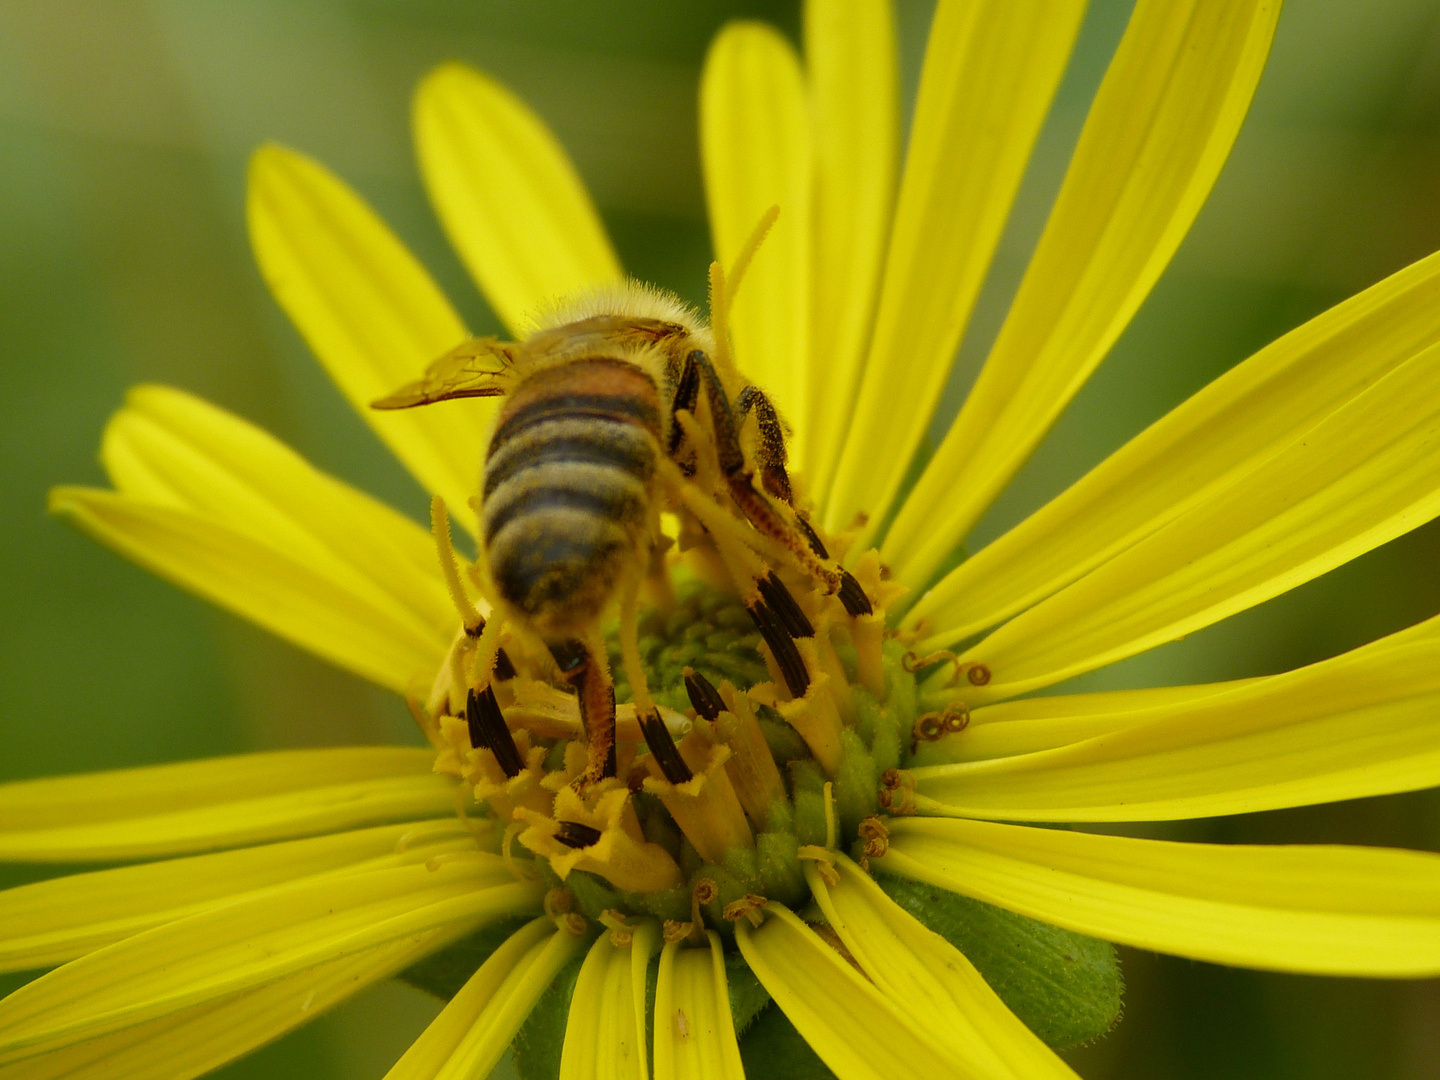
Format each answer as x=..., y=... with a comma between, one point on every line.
x=124, y=131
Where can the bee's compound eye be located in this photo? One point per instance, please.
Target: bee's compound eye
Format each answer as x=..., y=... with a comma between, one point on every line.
x=570, y=655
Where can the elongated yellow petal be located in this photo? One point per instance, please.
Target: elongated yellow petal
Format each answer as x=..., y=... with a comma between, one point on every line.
x=196, y=1040
x=1326, y=910
x=755, y=147
x=334, y=615
x=1365, y=474
x=510, y=200
x=1363, y=723
x=172, y=448
x=49, y=922
x=694, y=1032
x=237, y=947
x=605, y=1033
x=858, y=1031
x=850, y=57
x=216, y=803
x=917, y=968
x=472, y=1031
x=369, y=311
x=1240, y=419
x=1161, y=126
x=1042, y=723
x=991, y=68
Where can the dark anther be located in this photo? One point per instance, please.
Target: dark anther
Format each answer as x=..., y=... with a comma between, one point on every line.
x=571, y=657
x=978, y=674
x=816, y=544
x=782, y=647
x=575, y=835
x=667, y=754
x=778, y=599
x=853, y=596
x=703, y=695
x=488, y=728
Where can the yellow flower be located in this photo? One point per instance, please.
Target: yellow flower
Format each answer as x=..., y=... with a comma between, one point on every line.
x=280, y=883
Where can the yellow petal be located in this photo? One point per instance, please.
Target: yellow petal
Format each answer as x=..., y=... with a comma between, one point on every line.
x=172, y=448
x=1322, y=909
x=1240, y=419
x=473, y=1030
x=369, y=311
x=1161, y=126
x=197, y=1040
x=1363, y=723
x=335, y=615
x=991, y=68
x=216, y=803
x=850, y=57
x=755, y=149
x=1365, y=474
x=238, y=947
x=605, y=1032
x=510, y=200
x=915, y=966
x=858, y=1031
x=1042, y=723
x=694, y=1031
x=49, y=922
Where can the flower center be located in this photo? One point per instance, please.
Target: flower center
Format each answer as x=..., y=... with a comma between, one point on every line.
x=741, y=773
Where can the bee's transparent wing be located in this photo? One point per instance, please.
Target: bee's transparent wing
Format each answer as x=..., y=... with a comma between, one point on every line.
x=475, y=368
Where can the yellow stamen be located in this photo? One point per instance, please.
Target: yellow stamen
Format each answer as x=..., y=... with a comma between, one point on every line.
x=752, y=768
x=705, y=807
x=450, y=567
x=829, y=815
x=824, y=860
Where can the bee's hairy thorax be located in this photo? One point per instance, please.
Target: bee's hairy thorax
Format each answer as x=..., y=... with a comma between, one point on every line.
x=568, y=488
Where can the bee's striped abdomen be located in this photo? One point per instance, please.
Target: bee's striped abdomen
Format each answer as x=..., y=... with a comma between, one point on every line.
x=567, y=489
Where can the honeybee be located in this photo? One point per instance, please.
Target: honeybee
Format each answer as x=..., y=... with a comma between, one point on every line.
x=601, y=429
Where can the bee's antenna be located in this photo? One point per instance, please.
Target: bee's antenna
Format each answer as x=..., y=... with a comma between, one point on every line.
x=723, y=288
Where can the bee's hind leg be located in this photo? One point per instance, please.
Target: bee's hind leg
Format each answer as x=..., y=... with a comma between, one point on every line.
x=784, y=525
x=585, y=666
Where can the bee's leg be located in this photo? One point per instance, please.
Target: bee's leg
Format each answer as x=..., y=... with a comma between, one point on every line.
x=774, y=457
x=585, y=667
x=657, y=735
x=778, y=617
x=755, y=506
x=771, y=447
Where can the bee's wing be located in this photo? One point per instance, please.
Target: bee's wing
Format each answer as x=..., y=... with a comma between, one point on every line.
x=474, y=368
